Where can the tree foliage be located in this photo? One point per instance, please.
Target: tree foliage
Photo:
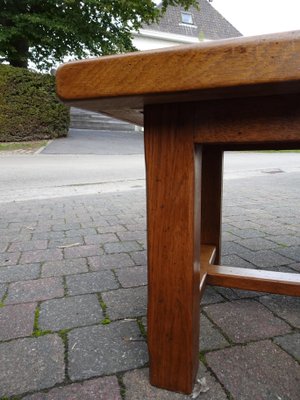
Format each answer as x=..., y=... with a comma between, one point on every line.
x=46, y=31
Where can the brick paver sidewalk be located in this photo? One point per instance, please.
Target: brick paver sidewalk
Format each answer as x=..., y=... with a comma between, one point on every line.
x=73, y=298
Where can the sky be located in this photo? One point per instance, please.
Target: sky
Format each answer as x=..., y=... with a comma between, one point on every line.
x=255, y=17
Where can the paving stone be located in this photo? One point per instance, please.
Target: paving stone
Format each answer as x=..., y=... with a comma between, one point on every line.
x=41, y=256
x=93, y=223
x=83, y=251
x=229, y=248
x=257, y=243
x=36, y=290
x=110, y=228
x=3, y=289
x=286, y=307
x=9, y=259
x=247, y=294
x=127, y=218
x=18, y=237
x=136, y=227
x=247, y=233
x=286, y=240
x=19, y=273
x=245, y=320
x=81, y=232
x=48, y=235
x=252, y=372
x=228, y=237
x=211, y=296
x=292, y=252
x=28, y=245
x=295, y=267
x=132, y=235
x=16, y=321
x=138, y=387
x=241, y=224
x=277, y=230
x=100, y=239
x=291, y=344
x=132, y=276
x=108, y=261
x=125, y=303
x=69, y=312
x=65, y=242
x=266, y=259
x=66, y=226
x=64, y=267
x=106, y=388
x=105, y=349
x=31, y=364
x=91, y=282
x=233, y=260
x=143, y=243
x=121, y=247
x=3, y=246
x=210, y=337
x=227, y=293
x=139, y=257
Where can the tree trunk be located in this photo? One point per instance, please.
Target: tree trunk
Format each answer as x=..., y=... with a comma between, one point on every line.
x=18, y=56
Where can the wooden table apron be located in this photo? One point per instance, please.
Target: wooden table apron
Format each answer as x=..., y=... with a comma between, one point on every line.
x=197, y=102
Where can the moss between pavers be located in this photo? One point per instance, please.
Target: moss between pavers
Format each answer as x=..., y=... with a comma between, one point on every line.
x=141, y=327
x=36, y=331
x=106, y=320
x=29, y=108
x=122, y=385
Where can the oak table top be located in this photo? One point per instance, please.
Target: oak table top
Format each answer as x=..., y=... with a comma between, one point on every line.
x=120, y=85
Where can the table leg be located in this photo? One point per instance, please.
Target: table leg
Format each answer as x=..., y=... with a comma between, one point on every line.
x=173, y=211
x=211, y=198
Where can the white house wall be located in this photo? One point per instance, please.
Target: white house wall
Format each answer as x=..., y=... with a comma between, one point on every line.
x=149, y=39
x=144, y=43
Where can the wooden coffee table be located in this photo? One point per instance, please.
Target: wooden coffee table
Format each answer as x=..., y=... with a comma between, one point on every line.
x=195, y=102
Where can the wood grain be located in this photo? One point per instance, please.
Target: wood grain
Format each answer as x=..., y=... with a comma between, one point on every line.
x=244, y=66
x=173, y=218
x=268, y=119
x=211, y=197
x=252, y=279
x=207, y=257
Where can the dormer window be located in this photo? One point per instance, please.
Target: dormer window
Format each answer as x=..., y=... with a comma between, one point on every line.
x=187, y=18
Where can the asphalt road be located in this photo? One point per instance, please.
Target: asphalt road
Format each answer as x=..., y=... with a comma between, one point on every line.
x=97, y=142
x=49, y=174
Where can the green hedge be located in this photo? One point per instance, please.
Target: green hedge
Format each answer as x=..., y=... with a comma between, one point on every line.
x=29, y=109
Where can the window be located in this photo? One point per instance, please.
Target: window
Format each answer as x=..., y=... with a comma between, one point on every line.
x=186, y=18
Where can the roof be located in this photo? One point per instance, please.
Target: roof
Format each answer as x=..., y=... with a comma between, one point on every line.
x=208, y=23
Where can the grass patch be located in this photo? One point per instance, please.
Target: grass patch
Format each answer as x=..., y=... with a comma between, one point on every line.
x=11, y=146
